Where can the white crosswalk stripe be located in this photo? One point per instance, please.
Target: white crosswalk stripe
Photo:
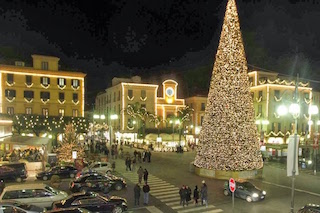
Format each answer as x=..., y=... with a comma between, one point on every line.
x=169, y=194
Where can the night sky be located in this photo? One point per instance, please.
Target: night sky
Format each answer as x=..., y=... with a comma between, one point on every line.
x=176, y=38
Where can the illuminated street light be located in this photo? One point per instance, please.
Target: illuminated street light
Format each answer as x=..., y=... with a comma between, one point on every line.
x=112, y=117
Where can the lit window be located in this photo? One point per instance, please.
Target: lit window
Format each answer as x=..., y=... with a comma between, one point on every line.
x=45, y=95
x=61, y=82
x=29, y=95
x=75, y=83
x=45, y=111
x=75, y=97
x=10, y=110
x=75, y=113
x=28, y=110
x=10, y=78
x=61, y=96
x=61, y=112
x=44, y=65
x=28, y=79
x=45, y=81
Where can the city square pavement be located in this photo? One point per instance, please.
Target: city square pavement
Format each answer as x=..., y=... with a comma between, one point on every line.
x=168, y=171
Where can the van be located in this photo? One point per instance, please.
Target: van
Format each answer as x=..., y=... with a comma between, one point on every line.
x=13, y=171
x=38, y=194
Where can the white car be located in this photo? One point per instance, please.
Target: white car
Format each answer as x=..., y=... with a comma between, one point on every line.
x=102, y=167
x=38, y=194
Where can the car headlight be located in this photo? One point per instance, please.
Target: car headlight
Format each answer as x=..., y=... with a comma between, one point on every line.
x=124, y=204
x=255, y=195
x=264, y=192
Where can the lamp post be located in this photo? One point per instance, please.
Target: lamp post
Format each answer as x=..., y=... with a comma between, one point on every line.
x=134, y=135
x=313, y=110
x=262, y=122
x=96, y=117
x=112, y=117
x=294, y=109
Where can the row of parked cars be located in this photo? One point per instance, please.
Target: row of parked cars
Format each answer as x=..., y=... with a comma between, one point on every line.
x=89, y=188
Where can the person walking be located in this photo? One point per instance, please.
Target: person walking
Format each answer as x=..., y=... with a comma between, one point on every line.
x=204, y=194
x=146, y=190
x=140, y=174
x=137, y=191
x=149, y=156
x=188, y=194
x=182, y=193
x=128, y=164
x=145, y=175
x=195, y=195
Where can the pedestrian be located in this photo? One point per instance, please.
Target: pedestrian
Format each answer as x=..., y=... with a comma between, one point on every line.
x=146, y=190
x=204, y=194
x=137, y=191
x=149, y=156
x=195, y=195
x=144, y=156
x=140, y=174
x=188, y=194
x=145, y=175
x=133, y=163
x=139, y=156
x=182, y=193
x=128, y=164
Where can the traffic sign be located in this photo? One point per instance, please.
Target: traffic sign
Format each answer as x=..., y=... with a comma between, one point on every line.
x=232, y=185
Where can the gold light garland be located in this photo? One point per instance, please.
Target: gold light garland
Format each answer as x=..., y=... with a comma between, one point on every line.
x=10, y=84
x=130, y=99
x=10, y=100
x=29, y=86
x=28, y=100
x=45, y=86
x=61, y=87
x=277, y=99
x=61, y=102
x=143, y=99
x=44, y=101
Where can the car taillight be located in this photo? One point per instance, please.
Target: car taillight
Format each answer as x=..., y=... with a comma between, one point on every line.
x=72, y=185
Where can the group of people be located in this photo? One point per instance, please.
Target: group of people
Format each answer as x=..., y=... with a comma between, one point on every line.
x=185, y=194
x=145, y=156
x=146, y=188
x=31, y=155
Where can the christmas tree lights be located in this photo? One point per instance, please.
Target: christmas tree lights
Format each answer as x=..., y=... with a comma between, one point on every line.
x=229, y=137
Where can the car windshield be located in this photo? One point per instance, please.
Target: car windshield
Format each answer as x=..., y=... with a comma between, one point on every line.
x=50, y=189
x=25, y=206
x=248, y=185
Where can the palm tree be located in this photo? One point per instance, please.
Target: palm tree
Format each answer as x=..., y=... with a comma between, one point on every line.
x=184, y=116
x=157, y=120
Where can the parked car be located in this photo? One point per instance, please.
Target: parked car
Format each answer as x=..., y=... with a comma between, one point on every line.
x=98, y=183
x=93, y=202
x=38, y=194
x=61, y=171
x=245, y=190
x=14, y=206
x=13, y=171
x=310, y=208
x=102, y=167
x=69, y=210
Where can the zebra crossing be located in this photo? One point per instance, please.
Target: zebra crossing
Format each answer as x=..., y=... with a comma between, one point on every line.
x=169, y=194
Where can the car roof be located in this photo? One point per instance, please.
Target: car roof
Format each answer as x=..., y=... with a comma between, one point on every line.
x=9, y=202
x=311, y=205
x=25, y=186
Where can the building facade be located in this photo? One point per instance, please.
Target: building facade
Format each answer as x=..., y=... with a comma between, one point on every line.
x=42, y=89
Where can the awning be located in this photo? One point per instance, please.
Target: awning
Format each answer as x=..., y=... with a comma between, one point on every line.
x=26, y=140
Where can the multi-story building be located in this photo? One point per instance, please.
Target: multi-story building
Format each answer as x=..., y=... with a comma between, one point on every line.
x=42, y=89
x=132, y=91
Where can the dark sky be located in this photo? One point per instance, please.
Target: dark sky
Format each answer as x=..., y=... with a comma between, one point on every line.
x=155, y=37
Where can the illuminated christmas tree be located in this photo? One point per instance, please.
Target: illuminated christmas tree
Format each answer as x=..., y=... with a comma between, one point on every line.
x=68, y=144
x=229, y=137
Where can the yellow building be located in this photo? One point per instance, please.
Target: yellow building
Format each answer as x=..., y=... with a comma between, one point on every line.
x=130, y=91
x=42, y=89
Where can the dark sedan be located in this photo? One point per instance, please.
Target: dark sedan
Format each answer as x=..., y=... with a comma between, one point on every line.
x=98, y=183
x=61, y=171
x=245, y=190
x=93, y=202
x=310, y=208
x=14, y=206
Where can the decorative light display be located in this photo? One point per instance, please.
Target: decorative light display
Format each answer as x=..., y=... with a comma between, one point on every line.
x=69, y=145
x=229, y=136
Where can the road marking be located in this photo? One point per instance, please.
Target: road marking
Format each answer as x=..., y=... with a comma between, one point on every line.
x=196, y=209
x=287, y=187
x=170, y=199
x=214, y=211
x=167, y=196
x=192, y=207
x=154, y=209
x=165, y=190
x=173, y=203
x=164, y=193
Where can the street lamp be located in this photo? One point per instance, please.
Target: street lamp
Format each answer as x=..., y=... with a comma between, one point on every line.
x=112, y=117
x=262, y=122
x=314, y=110
x=97, y=117
x=294, y=109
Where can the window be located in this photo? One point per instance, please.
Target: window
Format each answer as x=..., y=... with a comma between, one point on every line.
x=143, y=106
x=119, y=109
x=29, y=95
x=279, y=127
x=61, y=96
x=273, y=126
x=143, y=94
x=28, y=80
x=201, y=120
x=61, y=112
x=11, y=195
x=118, y=95
x=203, y=106
x=44, y=65
x=75, y=83
x=61, y=82
x=10, y=78
x=10, y=209
x=75, y=97
x=306, y=96
x=114, y=97
x=45, y=81
x=10, y=93
x=45, y=111
x=75, y=113
x=277, y=94
x=28, y=110
x=260, y=94
x=130, y=93
x=259, y=109
x=45, y=95
x=10, y=110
